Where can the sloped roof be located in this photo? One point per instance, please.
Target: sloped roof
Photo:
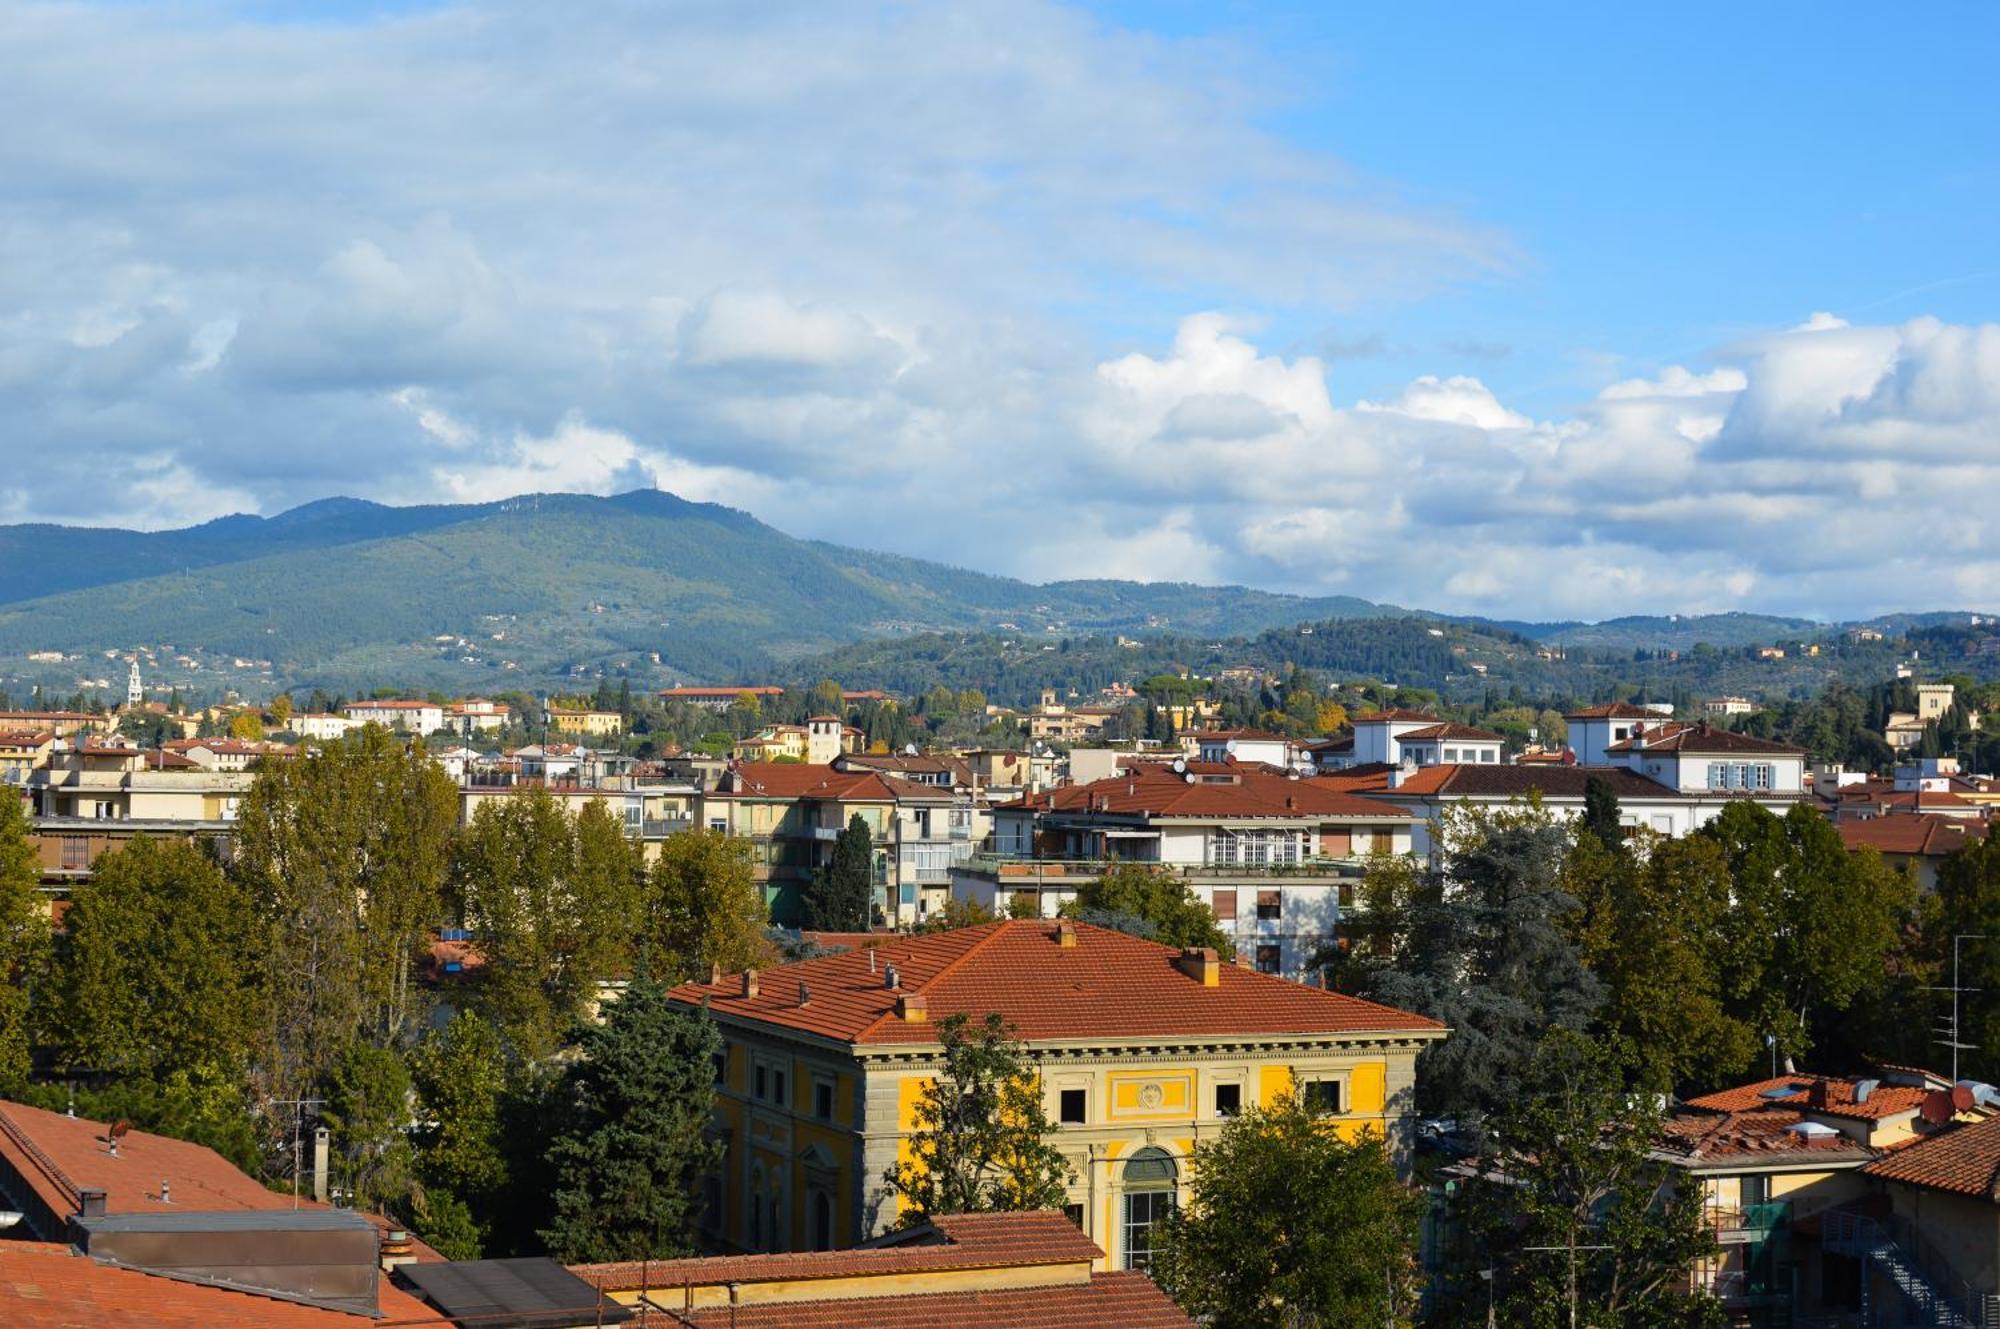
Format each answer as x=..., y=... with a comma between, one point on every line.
x=1157, y=790
x=1127, y=1299
x=1614, y=710
x=1924, y=833
x=1108, y=985
x=1394, y=713
x=47, y=1286
x=1454, y=732
x=56, y=1155
x=781, y=779
x=1453, y=780
x=1701, y=738
x=1885, y=1100
x=1763, y=1135
x=1963, y=1158
x=949, y=1242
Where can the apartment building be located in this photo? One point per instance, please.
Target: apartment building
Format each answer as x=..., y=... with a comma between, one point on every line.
x=1142, y=1053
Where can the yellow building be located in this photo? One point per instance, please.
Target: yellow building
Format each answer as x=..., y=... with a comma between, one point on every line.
x=597, y=724
x=1143, y=1051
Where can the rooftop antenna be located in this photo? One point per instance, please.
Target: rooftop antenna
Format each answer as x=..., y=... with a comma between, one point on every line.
x=1948, y=1030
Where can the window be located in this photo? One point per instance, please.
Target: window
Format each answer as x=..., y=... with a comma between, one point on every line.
x=1269, y=959
x=1075, y=1109
x=822, y=1104
x=720, y=1064
x=1224, y=905
x=778, y=1087
x=1270, y=905
x=75, y=853
x=1755, y=1189
x=719, y=824
x=1320, y=1095
x=1150, y=1178
x=1228, y=1099
x=760, y=1083
x=1718, y=775
x=819, y=1220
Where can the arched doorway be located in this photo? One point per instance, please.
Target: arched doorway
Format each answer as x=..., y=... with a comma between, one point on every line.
x=1150, y=1178
x=819, y=1220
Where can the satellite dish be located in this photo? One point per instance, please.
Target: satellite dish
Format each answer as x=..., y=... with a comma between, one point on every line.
x=120, y=1129
x=1180, y=765
x=1961, y=1096
x=1936, y=1108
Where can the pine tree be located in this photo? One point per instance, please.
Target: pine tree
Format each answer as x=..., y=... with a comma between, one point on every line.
x=839, y=896
x=634, y=1138
x=1600, y=813
x=981, y=1137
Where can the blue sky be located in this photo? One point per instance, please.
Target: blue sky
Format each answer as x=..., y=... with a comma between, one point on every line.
x=1529, y=311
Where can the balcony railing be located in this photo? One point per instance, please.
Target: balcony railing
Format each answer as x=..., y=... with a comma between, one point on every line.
x=659, y=828
x=1749, y=1222
x=1013, y=865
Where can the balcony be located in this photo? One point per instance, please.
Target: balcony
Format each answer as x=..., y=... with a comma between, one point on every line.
x=1750, y=1222
x=1056, y=869
x=659, y=828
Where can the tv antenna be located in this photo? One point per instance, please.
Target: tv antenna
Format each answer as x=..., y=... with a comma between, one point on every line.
x=1949, y=1029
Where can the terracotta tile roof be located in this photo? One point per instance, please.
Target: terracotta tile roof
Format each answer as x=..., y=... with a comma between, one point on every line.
x=1459, y=732
x=1886, y=1100
x=782, y=779
x=1108, y=985
x=46, y=1286
x=1614, y=710
x=1922, y=833
x=1394, y=713
x=1453, y=780
x=1127, y=1300
x=1672, y=737
x=1963, y=1158
x=958, y=1241
x=56, y=1155
x=1250, y=735
x=1764, y=1134
x=1244, y=791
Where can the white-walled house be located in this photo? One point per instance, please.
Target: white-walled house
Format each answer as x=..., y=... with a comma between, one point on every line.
x=1594, y=729
x=1378, y=735
x=1273, y=856
x=1249, y=746
x=1450, y=744
x=322, y=728
x=1642, y=800
x=1697, y=758
x=417, y=717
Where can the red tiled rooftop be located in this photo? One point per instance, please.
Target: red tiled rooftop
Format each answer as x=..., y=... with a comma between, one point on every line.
x=1108, y=985
x=961, y=1241
x=1454, y=732
x=1703, y=1137
x=1886, y=1100
x=46, y=1286
x=1675, y=737
x=1912, y=833
x=1394, y=713
x=57, y=1155
x=1963, y=1158
x=1123, y=1300
x=1614, y=710
x=1474, y=780
x=1249, y=791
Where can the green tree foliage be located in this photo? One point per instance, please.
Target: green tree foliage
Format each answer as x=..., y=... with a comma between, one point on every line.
x=24, y=941
x=1148, y=902
x=1600, y=813
x=554, y=902
x=838, y=897
x=1658, y=927
x=1290, y=1225
x=346, y=857
x=1812, y=926
x=702, y=907
x=460, y=1079
x=1484, y=940
x=633, y=1136
x=367, y=1113
x=1968, y=904
x=981, y=1137
x=156, y=974
x=1578, y=1222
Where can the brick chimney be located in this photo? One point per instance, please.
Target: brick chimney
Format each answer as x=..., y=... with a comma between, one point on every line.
x=1200, y=964
x=1066, y=934
x=912, y=1008
x=749, y=982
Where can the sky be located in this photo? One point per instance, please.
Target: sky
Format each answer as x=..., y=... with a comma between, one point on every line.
x=1536, y=312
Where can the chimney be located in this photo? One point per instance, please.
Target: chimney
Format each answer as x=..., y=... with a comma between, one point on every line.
x=715, y=973
x=1817, y=1095
x=890, y=978
x=321, y=1156
x=1242, y=960
x=166, y=1191
x=1066, y=934
x=1200, y=964
x=90, y=1202
x=912, y=1008
x=805, y=995
x=749, y=982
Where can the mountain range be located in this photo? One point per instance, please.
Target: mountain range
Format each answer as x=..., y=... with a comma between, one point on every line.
x=347, y=592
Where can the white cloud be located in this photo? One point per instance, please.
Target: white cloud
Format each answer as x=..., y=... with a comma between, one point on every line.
x=1458, y=400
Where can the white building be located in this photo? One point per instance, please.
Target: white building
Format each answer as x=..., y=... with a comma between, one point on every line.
x=323, y=728
x=1273, y=856
x=1695, y=758
x=1442, y=744
x=479, y=714
x=1728, y=706
x=416, y=717
x=1594, y=729
x=1378, y=735
x=1245, y=745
